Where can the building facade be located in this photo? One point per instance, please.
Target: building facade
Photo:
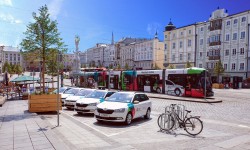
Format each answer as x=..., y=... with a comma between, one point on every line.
x=223, y=38
x=180, y=45
x=11, y=55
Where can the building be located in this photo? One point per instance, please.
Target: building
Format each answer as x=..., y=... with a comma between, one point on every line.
x=11, y=55
x=223, y=38
x=179, y=45
x=68, y=61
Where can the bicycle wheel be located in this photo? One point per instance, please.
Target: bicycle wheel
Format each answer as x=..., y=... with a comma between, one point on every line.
x=165, y=121
x=193, y=126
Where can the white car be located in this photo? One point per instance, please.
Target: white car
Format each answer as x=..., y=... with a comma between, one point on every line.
x=68, y=93
x=124, y=107
x=62, y=90
x=89, y=102
x=70, y=101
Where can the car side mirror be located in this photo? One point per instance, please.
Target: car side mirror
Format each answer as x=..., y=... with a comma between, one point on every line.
x=136, y=102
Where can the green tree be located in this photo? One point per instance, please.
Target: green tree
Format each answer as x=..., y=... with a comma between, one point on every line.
x=19, y=69
x=126, y=66
x=111, y=66
x=6, y=67
x=188, y=65
x=218, y=69
x=41, y=37
x=171, y=66
x=119, y=66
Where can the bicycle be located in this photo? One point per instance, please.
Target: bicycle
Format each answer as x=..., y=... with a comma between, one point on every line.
x=192, y=125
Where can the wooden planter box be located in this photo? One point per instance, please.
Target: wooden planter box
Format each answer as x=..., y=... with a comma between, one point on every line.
x=44, y=103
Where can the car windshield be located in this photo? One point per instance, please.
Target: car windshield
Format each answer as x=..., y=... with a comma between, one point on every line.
x=120, y=97
x=62, y=89
x=83, y=92
x=72, y=91
x=96, y=94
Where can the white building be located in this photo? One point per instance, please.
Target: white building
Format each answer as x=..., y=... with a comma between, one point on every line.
x=11, y=55
x=224, y=37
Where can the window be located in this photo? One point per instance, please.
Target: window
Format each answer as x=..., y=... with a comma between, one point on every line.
x=166, y=36
x=201, y=28
x=235, y=21
x=189, y=56
x=242, y=51
x=200, y=54
x=173, y=57
x=165, y=58
x=181, y=33
x=227, y=52
x=234, y=52
x=243, y=19
x=208, y=40
x=228, y=23
x=165, y=47
x=180, y=44
x=233, y=66
x=235, y=36
x=189, y=43
x=207, y=53
x=173, y=46
x=180, y=56
x=242, y=35
x=201, y=41
x=225, y=66
x=227, y=37
x=189, y=31
x=241, y=66
x=200, y=65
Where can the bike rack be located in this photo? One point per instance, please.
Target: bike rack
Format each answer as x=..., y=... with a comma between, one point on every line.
x=179, y=110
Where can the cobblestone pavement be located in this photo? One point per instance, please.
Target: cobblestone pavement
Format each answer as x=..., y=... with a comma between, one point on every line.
x=226, y=126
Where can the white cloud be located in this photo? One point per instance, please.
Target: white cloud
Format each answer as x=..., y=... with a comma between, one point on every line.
x=152, y=28
x=55, y=8
x=9, y=18
x=6, y=2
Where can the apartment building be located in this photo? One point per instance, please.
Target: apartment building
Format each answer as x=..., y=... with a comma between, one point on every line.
x=180, y=45
x=11, y=55
x=222, y=38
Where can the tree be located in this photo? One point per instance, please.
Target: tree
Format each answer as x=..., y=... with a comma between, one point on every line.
x=126, y=66
x=118, y=66
x=218, y=69
x=19, y=69
x=41, y=37
x=111, y=66
x=171, y=66
x=6, y=67
x=188, y=65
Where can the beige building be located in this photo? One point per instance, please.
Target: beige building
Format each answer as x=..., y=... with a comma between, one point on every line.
x=179, y=45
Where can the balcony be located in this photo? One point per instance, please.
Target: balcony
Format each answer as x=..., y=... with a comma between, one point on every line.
x=215, y=43
x=214, y=57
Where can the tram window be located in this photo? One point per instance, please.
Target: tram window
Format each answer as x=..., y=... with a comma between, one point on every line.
x=169, y=82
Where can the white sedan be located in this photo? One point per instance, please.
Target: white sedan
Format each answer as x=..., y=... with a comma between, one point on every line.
x=70, y=101
x=124, y=107
x=89, y=102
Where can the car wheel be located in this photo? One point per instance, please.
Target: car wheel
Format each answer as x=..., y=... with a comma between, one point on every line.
x=128, y=119
x=147, y=116
x=79, y=113
x=100, y=121
x=158, y=90
x=177, y=92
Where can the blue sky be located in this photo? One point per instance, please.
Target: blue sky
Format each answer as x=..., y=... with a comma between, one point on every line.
x=95, y=20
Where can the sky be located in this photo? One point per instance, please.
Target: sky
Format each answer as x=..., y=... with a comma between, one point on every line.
x=95, y=20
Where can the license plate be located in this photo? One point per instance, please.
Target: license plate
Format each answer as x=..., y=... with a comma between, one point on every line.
x=104, y=115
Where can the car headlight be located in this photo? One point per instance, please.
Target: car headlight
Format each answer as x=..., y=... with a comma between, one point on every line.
x=121, y=110
x=92, y=104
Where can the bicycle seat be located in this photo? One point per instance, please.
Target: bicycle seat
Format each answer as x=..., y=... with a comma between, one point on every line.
x=188, y=111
